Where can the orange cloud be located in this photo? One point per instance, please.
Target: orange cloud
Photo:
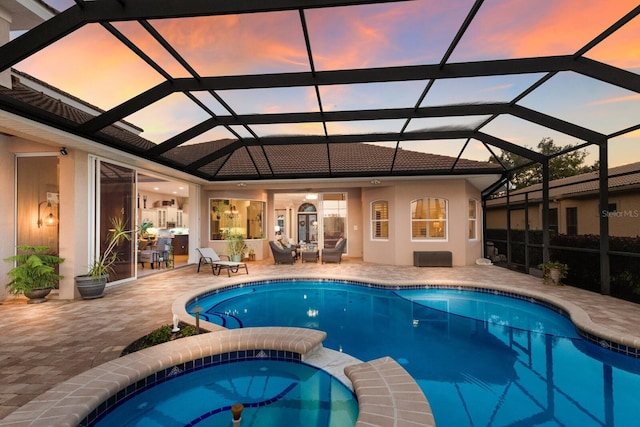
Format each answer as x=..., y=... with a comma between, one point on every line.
x=239, y=44
x=92, y=65
x=520, y=28
x=635, y=97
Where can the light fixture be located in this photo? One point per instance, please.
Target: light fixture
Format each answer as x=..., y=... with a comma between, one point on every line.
x=375, y=181
x=52, y=199
x=241, y=184
x=49, y=219
x=64, y=151
x=311, y=196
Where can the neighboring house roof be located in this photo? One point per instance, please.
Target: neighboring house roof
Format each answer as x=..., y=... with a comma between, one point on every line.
x=288, y=160
x=625, y=177
x=25, y=15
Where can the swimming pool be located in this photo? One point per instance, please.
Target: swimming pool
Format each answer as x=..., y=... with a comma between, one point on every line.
x=273, y=393
x=480, y=358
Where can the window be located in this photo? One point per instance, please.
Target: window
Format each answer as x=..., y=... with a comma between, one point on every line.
x=334, y=218
x=429, y=219
x=237, y=216
x=572, y=221
x=380, y=219
x=553, y=221
x=473, y=219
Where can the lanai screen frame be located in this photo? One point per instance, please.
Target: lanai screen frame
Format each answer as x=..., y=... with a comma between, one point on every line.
x=106, y=13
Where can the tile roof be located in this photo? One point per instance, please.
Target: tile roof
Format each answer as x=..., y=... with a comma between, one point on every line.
x=620, y=178
x=249, y=159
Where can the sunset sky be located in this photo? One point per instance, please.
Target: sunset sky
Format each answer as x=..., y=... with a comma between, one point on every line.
x=99, y=69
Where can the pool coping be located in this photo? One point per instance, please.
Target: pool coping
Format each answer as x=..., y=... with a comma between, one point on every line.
x=85, y=397
x=388, y=396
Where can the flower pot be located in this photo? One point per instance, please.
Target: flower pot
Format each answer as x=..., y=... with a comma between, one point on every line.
x=554, y=276
x=90, y=287
x=37, y=296
x=236, y=258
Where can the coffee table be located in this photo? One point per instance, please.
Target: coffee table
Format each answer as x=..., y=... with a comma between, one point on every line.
x=309, y=256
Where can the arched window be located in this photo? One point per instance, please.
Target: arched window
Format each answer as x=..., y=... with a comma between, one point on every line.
x=307, y=207
x=429, y=219
x=380, y=220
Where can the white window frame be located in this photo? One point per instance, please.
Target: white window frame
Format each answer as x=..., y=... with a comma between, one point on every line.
x=428, y=220
x=473, y=221
x=375, y=221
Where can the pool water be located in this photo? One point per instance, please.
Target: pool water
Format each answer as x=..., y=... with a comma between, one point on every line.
x=274, y=394
x=481, y=359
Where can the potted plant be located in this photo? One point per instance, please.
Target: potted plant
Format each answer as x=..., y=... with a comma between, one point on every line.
x=235, y=244
x=92, y=284
x=553, y=272
x=34, y=274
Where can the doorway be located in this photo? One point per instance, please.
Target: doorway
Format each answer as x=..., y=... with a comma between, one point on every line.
x=307, y=223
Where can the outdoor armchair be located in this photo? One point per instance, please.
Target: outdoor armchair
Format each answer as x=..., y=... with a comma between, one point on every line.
x=282, y=254
x=334, y=254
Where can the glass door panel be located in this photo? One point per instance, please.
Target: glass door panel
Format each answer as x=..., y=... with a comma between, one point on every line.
x=117, y=199
x=334, y=218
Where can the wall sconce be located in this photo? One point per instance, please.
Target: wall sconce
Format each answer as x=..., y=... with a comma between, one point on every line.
x=49, y=219
x=64, y=151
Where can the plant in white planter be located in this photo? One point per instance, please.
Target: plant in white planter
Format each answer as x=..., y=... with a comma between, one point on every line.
x=553, y=272
x=235, y=245
x=92, y=284
x=34, y=274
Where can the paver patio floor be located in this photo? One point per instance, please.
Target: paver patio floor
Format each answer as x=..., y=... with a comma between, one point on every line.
x=42, y=345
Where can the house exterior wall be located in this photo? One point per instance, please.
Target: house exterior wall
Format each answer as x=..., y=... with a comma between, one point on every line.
x=73, y=208
x=399, y=248
x=7, y=219
x=623, y=222
x=75, y=229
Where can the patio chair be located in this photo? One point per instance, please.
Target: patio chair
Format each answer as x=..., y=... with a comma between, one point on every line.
x=281, y=254
x=209, y=256
x=334, y=254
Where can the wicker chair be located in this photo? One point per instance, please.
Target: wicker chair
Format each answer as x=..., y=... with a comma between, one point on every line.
x=282, y=255
x=334, y=254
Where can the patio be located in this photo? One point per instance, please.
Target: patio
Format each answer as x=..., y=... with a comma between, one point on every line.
x=45, y=344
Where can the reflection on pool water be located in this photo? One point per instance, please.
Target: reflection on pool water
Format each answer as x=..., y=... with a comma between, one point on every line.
x=274, y=394
x=481, y=359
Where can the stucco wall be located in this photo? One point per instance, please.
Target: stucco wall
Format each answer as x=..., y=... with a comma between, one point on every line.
x=399, y=248
x=7, y=219
x=73, y=214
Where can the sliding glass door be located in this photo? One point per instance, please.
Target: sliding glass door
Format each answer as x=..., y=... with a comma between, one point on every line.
x=115, y=197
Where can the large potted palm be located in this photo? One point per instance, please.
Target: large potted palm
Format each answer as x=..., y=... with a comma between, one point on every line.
x=34, y=274
x=92, y=284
